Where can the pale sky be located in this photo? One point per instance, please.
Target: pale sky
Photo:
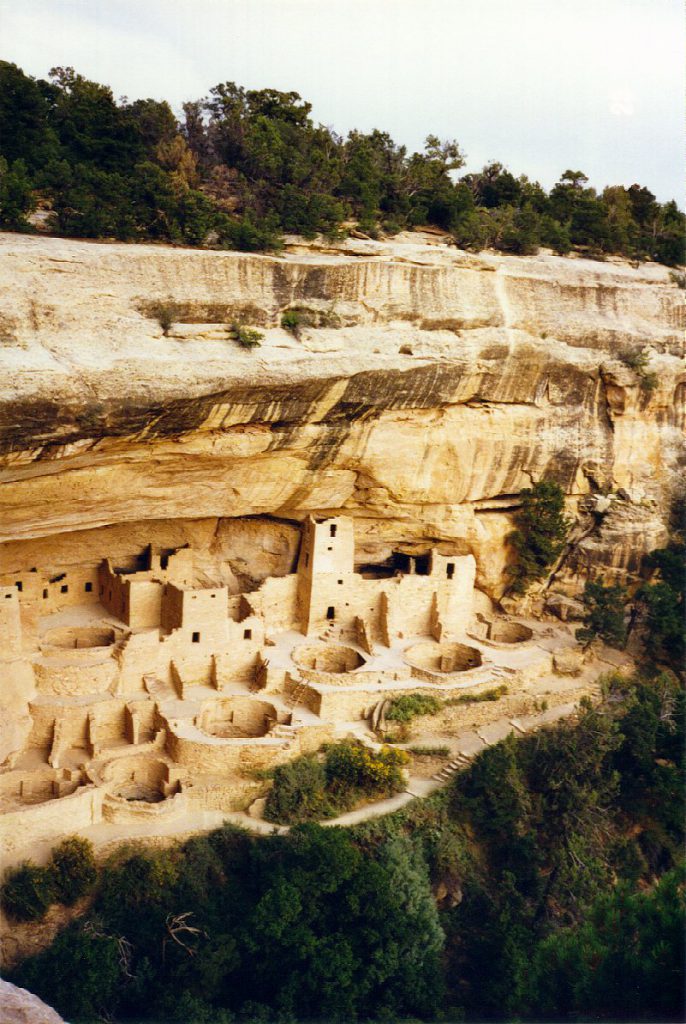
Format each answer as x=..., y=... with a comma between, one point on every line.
x=541, y=85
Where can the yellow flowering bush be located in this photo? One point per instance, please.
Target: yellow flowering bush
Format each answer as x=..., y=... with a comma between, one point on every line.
x=352, y=765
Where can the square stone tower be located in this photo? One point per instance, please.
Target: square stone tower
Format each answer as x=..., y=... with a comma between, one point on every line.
x=10, y=622
x=326, y=577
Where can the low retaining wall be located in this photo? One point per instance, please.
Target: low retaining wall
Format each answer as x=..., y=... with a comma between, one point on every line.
x=38, y=823
x=136, y=812
x=222, y=755
x=80, y=676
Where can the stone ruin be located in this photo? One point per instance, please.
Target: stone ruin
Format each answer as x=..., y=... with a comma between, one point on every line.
x=155, y=698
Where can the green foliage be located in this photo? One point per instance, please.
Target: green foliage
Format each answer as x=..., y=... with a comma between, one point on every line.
x=250, y=234
x=623, y=963
x=350, y=765
x=651, y=758
x=541, y=533
x=73, y=868
x=310, y=924
x=292, y=320
x=80, y=972
x=664, y=602
x=521, y=234
x=531, y=889
x=299, y=792
x=429, y=751
x=164, y=313
x=649, y=383
x=16, y=195
x=604, y=614
x=495, y=693
x=308, y=788
x=247, y=337
x=411, y=705
x=27, y=892
x=637, y=360
x=297, y=317
x=555, y=235
x=246, y=165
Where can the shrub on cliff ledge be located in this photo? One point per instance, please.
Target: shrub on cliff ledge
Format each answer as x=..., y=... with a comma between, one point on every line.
x=308, y=789
x=541, y=533
x=351, y=765
x=247, y=337
x=604, y=616
x=27, y=892
x=298, y=793
x=73, y=869
x=411, y=705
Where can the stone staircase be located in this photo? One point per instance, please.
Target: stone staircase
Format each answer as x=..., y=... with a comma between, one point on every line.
x=281, y=731
x=458, y=762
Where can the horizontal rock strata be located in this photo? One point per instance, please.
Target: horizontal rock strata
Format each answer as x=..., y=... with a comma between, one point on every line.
x=435, y=387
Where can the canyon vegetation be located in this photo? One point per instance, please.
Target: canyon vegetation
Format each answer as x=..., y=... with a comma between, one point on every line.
x=342, y=600
x=244, y=166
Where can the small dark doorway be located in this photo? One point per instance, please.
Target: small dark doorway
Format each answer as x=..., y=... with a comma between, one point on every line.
x=401, y=563
x=450, y=570
x=331, y=612
x=196, y=638
x=422, y=565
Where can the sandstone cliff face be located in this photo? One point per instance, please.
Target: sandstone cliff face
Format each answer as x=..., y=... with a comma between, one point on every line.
x=450, y=383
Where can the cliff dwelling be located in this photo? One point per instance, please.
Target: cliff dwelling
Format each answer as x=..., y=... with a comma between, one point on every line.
x=154, y=695
x=215, y=559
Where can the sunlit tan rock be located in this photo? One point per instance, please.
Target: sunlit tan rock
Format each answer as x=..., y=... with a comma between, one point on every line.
x=514, y=373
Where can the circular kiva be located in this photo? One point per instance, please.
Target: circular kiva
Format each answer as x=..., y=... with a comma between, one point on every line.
x=443, y=657
x=509, y=632
x=328, y=658
x=137, y=779
x=80, y=637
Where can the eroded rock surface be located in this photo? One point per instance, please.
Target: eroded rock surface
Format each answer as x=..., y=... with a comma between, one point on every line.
x=443, y=384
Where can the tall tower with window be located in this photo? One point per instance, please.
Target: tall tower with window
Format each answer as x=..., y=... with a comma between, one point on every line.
x=325, y=571
x=10, y=622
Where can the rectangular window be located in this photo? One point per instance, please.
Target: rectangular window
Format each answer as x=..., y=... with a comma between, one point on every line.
x=45, y=594
x=450, y=570
x=196, y=638
x=19, y=586
x=88, y=587
x=340, y=581
x=247, y=634
x=332, y=531
x=7, y=597
x=64, y=589
x=331, y=612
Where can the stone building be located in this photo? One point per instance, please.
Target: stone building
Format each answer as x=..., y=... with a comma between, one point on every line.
x=149, y=679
